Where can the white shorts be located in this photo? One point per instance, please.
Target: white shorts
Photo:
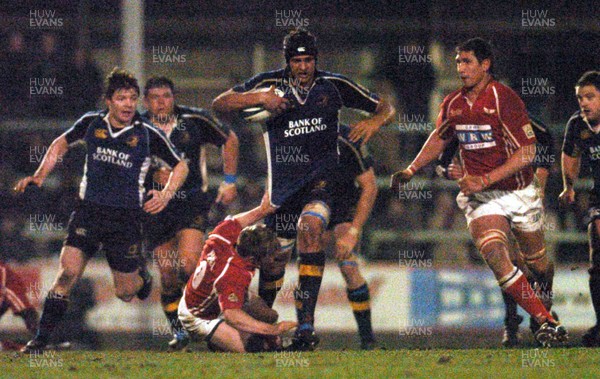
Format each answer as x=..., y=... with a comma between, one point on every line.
x=199, y=328
x=523, y=208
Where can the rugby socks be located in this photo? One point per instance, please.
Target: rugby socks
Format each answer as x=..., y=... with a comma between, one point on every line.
x=311, y=270
x=510, y=307
x=360, y=301
x=595, y=293
x=170, y=304
x=55, y=308
x=269, y=286
x=516, y=285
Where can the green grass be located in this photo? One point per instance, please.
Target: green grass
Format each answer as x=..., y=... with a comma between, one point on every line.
x=476, y=363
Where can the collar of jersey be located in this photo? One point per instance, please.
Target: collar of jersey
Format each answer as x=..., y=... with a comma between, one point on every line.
x=115, y=135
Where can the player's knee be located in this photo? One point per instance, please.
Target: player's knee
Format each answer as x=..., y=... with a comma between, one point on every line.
x=491, y=244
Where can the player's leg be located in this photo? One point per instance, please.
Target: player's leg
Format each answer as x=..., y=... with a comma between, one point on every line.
x=311, y=256
x=15, y=297
x=490, y=236
x=511, y=336
x=72, y=264
x=592, y=337
x=269, y=282
x=357, y=290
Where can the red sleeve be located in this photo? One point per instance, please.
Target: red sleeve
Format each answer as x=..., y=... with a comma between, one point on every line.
x=442, y=124
x=513, y=116
x=229, y=230
x=232, y=288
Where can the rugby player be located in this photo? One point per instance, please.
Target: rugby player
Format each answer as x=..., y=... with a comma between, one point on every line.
x=497, y=191
x=119, y=145
x=542, y=163
x=582, y=140
x=301, y=139
x=215, y=304
x=351, y=207
x=176, y=234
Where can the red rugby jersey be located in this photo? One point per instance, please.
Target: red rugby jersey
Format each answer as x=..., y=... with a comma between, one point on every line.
x=489, y=131
x=222, y=277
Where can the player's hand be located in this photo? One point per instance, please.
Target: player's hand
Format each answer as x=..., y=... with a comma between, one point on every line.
x=30, y=180
x=227, y=193
x=455, y=171
x=400, y=177
x=265, y=205
x=274, y=103
x=471, y=184
x=364, y=129
x=567, y=197
x=284, y=326
x=161, y=176
x=345, y=244
x=158, y=202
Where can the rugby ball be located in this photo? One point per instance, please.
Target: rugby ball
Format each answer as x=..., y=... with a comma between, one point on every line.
x=258, y=114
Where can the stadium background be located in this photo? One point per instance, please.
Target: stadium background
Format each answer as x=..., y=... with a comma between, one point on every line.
x=424, y=271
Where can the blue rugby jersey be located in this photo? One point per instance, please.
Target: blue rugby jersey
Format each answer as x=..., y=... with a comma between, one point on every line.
x=117, y=160
x=195, y=128
x=302, y=141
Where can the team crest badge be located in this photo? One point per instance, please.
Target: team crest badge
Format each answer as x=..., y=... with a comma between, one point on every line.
x=132, y=141
x=133, y=249
x=585, y=134
x=233, y=298
x=455, y=112
x=321, y=185
x=185, y=137
x=101, y=133
x=323, y=100
x=489, y=111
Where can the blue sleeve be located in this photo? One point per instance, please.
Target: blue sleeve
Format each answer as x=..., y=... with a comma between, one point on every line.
x=353, y=95
x=77, y=131
x=161, y=146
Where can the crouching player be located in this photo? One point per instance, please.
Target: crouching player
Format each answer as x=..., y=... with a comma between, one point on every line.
x=215, y=306
x=497, y=193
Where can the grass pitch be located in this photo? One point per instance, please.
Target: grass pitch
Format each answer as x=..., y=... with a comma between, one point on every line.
x=476, y=363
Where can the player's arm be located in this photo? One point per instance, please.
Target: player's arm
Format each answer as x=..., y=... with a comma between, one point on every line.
x=231, y=101
x=242, y=321
x=570, y=173
x=368, y=185
x=544, y=153
x=365, y=129
x=58, y=148
x=255, y=214
x=230, y=152
x=434, y=146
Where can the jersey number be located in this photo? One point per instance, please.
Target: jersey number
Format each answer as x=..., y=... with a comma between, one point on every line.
x=199, y=274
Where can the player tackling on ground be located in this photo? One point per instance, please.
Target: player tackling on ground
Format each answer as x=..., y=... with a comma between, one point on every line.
x=176, y=234
x=215, y=306
x=582, y=140
x=497, y=192
x=119, y=145
x=301, y=139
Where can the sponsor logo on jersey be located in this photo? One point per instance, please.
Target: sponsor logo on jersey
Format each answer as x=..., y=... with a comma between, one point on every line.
x=132, y=141
x=323, y=100
x=304, y=126
x=81, y=232
x=101, y=133
x=473, y=137
x=455, y=112
x=233, y=298
x=211, y=258
x=528, y=131
x=595, y=152
x=489, y=111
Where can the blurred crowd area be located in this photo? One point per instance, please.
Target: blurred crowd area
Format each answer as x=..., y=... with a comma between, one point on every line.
x=48, y=80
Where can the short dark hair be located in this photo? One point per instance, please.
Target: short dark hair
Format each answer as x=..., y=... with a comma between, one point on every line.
x=481, y=48
x=158, y=82
x=299, y=42
x=120, y=79
x=257, y=241
x=589, y=78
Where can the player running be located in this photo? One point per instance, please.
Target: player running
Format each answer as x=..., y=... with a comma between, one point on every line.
x=301, y=139
x=215, y=306
x=351, y=207
x=119, y=145
x=176, y=235
x=583, y=141
x=542, y=163
x=497, y=192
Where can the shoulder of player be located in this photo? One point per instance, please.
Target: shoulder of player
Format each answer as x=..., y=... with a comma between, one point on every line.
x=338, y=79
x=196, y=115
x=502, y=90
x=89, y=117
x=576, y=120
x=226, y=231
x=267, y=79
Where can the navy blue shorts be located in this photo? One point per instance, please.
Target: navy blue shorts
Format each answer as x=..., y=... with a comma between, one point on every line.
x=284, y=222
x=188, y=213
x=117, y=231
